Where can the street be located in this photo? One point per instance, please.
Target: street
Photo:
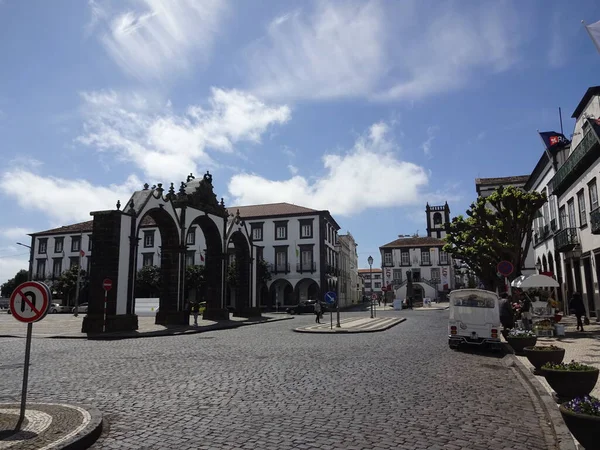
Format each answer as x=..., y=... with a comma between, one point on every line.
x=266, y=387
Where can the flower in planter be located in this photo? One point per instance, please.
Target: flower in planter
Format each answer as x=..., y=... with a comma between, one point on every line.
x=584, y=405
x=545, y=348
x=569, y=367
x=520, y=333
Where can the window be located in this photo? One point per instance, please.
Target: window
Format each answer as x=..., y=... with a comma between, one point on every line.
x=191, y=237
x=377, y=276
x=75, y=243
x=397, y=274
x=387, y=258
x=42, y=246
x=190, y=258
x=443, y=257
x=281, y=259
x=147, y=259
x=149, y=239
x=260, y=253
x=552, y=203
x=405, y=258
x=563, y=218
x=593, y=190
x=367, y=284
x=435, y=274
x=437, y=218
x=581, y=204
x=306, y=228
x=377, y=285
x=56, y=267
x=40, y=270
x=425, y=257
x=90, y=242
x=306, y=259
x=58, y=244
x=88, y=264
x=472, y=301
x=257, y=231
x=73, y=261
x=280, y=231
x=571, y=210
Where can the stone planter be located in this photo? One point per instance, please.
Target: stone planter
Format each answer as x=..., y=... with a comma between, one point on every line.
x=586, y=429
x=569, y=384
x=519, y=343
x=538, y=358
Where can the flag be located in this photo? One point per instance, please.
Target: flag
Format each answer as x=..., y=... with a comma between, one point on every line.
x=297, y=250
x=81, y=253
x=553, y=140
x=594, y=32
x=201, y=256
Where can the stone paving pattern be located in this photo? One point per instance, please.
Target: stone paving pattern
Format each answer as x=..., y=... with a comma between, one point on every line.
x=266, y=387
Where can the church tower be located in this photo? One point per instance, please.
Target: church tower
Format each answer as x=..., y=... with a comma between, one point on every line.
x=438, y=217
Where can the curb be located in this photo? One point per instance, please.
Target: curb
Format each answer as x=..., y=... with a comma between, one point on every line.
x=161, y=333
x=564, y=439
x=342, y=331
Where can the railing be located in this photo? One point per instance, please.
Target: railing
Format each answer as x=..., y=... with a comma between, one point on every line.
x=306, y=267
x=566, y=240
x=388, y=264
x=432, y=283
x=595, y=221
x=425, y=263
x=331, y=270
x=577, y=161
x=280, y=268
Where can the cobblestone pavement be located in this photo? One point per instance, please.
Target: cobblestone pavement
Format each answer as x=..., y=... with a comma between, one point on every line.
x=352, y=325
x=266, y=387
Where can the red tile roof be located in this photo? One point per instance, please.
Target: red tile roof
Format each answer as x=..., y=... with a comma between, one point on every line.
x=414, y=242
x=270, y=209
x=375, y=270
x=85, y=227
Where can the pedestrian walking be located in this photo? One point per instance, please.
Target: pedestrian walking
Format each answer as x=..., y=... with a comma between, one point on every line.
x=317, y=312
x=195, y=309
x=507, y=317
x=577, y=307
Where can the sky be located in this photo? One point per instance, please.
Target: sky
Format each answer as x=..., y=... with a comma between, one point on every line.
x=368, y=109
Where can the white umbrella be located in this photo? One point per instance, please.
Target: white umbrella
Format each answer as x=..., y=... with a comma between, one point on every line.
x=538, y=281
x=516, y=283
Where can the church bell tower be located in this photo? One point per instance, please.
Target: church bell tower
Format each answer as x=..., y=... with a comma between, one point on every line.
x=438, y=218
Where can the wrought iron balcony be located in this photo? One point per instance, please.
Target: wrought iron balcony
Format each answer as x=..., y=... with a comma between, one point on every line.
x=587, y=151
x=388, y=264
x=425, y=263
x=595, y=221
x=306, y=267
x=280, y=268
x=566, y=240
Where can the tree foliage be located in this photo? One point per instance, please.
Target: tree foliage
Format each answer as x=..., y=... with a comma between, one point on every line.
x=497, y=228
x=66, y=284
x=233, y=274
x=7, y=288
x=263, y=274
x=194, y=276
x=148, y=281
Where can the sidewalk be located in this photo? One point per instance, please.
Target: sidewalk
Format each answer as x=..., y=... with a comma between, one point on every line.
x=353, y=325
x=67, y=326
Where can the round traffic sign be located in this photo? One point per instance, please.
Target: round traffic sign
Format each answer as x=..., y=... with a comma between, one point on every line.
x=29, y=302
x=374, y=296
x=505, y=268
x=107, y=284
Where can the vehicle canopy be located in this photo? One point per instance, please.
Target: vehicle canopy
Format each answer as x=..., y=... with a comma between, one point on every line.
x=474, y=306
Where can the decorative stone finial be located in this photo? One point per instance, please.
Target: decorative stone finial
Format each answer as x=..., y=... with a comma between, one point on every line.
x=222, y=202
x=146, y=186
x=119, y=205
x=190, y=177
x=182, y=188
x=153, y=186
x=172, y=190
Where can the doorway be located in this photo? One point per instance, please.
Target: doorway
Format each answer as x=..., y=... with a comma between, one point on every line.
x=589, y=285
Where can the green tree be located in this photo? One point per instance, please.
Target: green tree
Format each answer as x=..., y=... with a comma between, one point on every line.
x=7, y=288
x=233, y=274
x=263, y=274
x=497, y=228
x=148, y=281
x=66, y=285
x=194, y=278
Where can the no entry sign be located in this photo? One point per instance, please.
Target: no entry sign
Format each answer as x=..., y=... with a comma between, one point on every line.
x=505, y=268
x=107, y=284
x=29, y=301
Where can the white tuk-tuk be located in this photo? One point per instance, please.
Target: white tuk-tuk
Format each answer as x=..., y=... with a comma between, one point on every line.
x=474, y=318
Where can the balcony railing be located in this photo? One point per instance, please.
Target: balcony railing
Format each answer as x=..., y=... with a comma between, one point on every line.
x=280, y=268
x=578, y=161
x=566, y=240
x=595, y=221
x=425, y=263
x=331, y=270
x=388, y=264
x=306, y=267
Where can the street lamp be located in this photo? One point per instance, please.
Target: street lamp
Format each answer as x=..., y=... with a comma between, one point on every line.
x=338, y=247
x=24, y=245
x=370, y=260
x=29, y=276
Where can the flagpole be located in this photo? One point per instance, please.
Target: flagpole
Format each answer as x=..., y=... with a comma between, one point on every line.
x=545, y=147
x=596, y=44
x=560, y=118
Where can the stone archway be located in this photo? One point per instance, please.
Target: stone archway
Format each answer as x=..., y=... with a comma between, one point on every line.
x=282, y=293
x=544, y=264
x=243, y=265
x=307, y=289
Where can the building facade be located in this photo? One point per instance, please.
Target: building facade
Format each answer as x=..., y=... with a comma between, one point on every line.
x=349, y=287
x=575, y=185
x=372, y=281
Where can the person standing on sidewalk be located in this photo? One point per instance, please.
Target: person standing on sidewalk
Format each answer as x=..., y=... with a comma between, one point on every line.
x=318, y=312
x=195, y=308
x=576, y=306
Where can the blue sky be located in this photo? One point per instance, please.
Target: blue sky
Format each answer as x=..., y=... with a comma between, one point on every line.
x=367, y=109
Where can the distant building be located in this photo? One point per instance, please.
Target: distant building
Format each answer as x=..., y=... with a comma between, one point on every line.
x=372, y=281
x=349, y=287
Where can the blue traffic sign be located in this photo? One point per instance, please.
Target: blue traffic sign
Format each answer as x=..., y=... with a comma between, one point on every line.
x=330, y=297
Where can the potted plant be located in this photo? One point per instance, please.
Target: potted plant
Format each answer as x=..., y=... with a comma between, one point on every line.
x=518, y=339
x=570, y=380
x=539, y=355
x=582, y=417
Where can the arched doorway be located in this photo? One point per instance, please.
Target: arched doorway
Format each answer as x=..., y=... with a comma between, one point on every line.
x=239, y=275
x=418, y=292
x=282, y=293
x=544, y=264
x=307, y=289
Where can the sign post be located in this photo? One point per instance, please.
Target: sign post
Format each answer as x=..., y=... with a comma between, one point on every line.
x=107, y=286
x=330, y=300
x=373, y=308
x=28, y=303
x=505, y=268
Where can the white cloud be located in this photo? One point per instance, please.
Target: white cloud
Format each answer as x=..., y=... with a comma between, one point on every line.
x=426, y=146
x=15, y=233
x=334, y=52
x=381, y=50
x=369, y=175
x=164, y=144
x=293, y=169
x=60, y=199
x=153, y=38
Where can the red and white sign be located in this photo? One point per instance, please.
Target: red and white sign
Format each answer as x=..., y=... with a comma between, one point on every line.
x=107, y=284
x=374, y=296
x=29, y=302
